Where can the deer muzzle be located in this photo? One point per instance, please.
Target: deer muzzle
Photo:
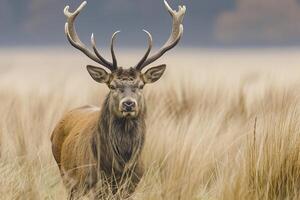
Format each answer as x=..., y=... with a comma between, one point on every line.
x=128, y=107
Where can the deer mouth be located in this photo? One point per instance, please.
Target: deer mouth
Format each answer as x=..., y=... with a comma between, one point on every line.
x=129, y=113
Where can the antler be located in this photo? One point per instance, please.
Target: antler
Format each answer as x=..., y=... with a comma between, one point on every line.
x=73, y=38
x=177, y=31
x=139, y=65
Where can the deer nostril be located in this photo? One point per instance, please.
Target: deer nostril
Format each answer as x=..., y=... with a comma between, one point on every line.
x=128, y=105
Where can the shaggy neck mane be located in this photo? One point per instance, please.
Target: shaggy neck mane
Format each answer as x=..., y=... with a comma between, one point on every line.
x=120, y=138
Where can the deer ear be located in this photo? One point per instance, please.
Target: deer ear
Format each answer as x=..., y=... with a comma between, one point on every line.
x=153, y=74
x=98, y=74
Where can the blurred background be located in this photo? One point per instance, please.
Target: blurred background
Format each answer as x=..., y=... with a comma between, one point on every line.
x=226, y=110
x=208, y=23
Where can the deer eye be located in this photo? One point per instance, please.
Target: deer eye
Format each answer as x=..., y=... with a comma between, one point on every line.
x=141, y=86
x=112, y=87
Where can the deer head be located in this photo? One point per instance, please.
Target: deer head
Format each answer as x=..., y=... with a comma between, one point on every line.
x=125, y=84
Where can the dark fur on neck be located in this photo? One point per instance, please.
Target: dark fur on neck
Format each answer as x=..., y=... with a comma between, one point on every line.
x=118, y=141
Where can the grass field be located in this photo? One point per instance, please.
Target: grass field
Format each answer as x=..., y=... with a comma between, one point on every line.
x=221, y=124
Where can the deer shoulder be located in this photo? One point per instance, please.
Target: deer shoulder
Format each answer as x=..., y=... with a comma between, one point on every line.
x=74, y=127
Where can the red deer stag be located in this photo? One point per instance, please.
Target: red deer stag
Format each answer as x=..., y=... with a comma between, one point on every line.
x=93, y=145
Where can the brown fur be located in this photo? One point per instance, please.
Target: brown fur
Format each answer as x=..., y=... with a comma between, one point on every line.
x=92, y=146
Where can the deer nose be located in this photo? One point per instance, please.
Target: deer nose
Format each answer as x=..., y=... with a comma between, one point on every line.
x=129, y=105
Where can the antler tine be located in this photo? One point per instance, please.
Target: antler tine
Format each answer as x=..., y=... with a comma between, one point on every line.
x=176, y=34
x=139, y=65
x=70, y=20
x=93, y=41
x=115, y=64
x=73, y=38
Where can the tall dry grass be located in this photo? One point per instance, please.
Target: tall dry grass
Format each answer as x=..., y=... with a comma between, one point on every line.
x=221, y=125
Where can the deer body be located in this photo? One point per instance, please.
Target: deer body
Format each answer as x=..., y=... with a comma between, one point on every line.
x=91, y=145
x=83, y=145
